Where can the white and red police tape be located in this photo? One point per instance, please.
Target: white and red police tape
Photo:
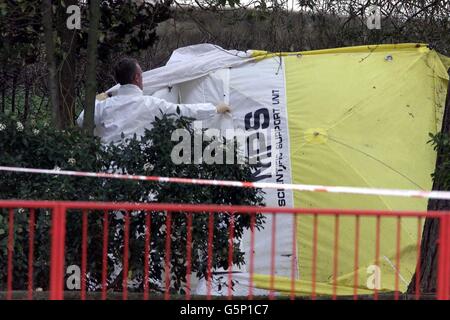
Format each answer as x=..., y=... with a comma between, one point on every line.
x=445, y=195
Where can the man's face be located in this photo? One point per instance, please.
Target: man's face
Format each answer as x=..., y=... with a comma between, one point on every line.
x=138, y=78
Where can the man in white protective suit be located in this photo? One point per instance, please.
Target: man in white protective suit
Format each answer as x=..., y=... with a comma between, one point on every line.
x=130, y=112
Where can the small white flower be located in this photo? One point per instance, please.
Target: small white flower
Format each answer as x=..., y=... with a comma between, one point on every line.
x=148, y=166
x=19, y=126
x=72, y=161
x=35, y=132
x=148, y=144
x=2, y=127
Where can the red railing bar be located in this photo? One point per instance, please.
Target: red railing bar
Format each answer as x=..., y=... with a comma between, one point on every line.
x=356, y=263
x=126, y=238
x=447, y=261
x=314, y=257
x=188, y=255
x=57, y=254
x=272, y=259
x=210, y=255
x=397, y=259
x=443, y=259
x=294, y=256
x=58, y=247
x=230, y=257
x=377, y=254
x=418, y=266
x=252, y=255
x=105, y=254
x=32, y=223
x=9, y=280
x=336, y=256
x=84, y=235
x=168, y=255
x=147, y=253
x=211, y=208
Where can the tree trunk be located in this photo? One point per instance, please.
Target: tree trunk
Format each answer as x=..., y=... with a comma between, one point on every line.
x=91, y=70
x=3, y=97
x=13, y=93
x=26, y=105
x=429, y=247
x=67, y=72
x=47, y=13
x=3, y=79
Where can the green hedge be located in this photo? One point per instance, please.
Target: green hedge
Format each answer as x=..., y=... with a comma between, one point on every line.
x=41, y=146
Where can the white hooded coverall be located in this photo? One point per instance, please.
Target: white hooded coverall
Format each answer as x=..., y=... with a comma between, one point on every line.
x=131, y=112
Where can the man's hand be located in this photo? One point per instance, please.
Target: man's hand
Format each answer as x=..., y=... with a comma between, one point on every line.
x=223, y=108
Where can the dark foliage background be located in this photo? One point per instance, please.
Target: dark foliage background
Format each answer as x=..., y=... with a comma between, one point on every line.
x=150, y=33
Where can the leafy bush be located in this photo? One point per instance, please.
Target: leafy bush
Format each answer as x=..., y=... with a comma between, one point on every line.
x=43, y=147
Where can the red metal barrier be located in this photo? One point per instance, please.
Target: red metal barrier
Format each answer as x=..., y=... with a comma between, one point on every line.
x=59, y=212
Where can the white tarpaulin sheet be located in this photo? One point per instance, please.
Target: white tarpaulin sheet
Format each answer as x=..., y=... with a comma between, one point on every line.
x=208, y=73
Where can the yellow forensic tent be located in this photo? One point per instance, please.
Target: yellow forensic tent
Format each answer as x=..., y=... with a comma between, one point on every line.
x=361, y=116
x=357, y=116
